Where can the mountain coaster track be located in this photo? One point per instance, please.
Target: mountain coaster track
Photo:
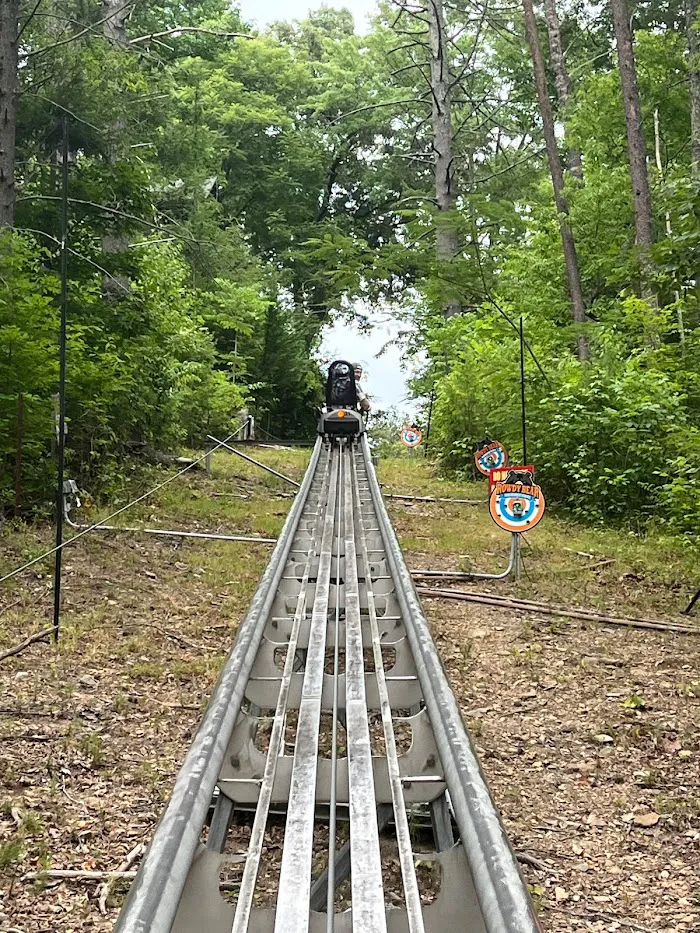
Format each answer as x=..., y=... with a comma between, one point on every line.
x=305, y=736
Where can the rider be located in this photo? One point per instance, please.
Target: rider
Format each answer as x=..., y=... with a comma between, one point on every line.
x=362, y=399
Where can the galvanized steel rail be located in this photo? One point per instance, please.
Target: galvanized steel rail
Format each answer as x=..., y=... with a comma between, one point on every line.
x=332, y=767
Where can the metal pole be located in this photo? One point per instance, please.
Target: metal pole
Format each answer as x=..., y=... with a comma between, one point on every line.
x=173, y=533
x=257, y=463
x=516, y=556
x=61, y=440
x=430, y=421
x=18, y=458
x=513, y=559
x=522, y=390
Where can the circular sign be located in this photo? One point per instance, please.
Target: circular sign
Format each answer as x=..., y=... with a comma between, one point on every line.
x=491, y=456
x=411, y=436
x=516, y=507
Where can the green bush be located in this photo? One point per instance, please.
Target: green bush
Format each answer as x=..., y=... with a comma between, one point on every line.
x=605, y=442
x=612, y=440
x=142, y=369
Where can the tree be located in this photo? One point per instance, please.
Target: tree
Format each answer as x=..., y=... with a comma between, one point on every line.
x=567, y=237
x=115, y=13
x=447, y=236
x=693, y=30
x=561, y=75
x=9, y=13
x=636, y=146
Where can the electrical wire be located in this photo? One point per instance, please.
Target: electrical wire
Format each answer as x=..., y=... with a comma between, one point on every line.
x=102, y=521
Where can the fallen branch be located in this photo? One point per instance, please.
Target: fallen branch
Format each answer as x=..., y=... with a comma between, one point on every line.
x=67, y=874
x=129, y=860
x=19, y=713
x=38, y=636
x=526, y=605
x=591, y=914
x=11, y=606
x=29, y=737
x=172, y=635
x=525, y=859
x=395, y=495
x=689, y=608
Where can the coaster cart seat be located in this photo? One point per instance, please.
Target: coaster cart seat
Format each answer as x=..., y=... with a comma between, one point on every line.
x=341, y=416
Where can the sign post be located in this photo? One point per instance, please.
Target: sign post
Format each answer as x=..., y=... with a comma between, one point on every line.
x=61, y=440
x=522, y=389
x=430, y=421
x=516, y=504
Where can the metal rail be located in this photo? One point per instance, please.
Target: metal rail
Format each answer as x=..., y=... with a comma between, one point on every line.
x=332, y=722
x=257, y=463
x=170, y=532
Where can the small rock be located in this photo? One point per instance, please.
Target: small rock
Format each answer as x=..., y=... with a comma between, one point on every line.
x=87, y=680
x=561, y=894
x=603, y=739
x=646, y=819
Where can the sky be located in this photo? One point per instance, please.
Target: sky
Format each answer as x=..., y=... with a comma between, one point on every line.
x=383, y=378
x=262, y=12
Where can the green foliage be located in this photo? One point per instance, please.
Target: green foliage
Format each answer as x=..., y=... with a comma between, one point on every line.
x=384, y=430
x=604, y=439
x=231, y=195
x=613, y=440
x=10, y=853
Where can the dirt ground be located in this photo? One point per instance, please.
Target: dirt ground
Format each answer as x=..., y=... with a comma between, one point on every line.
x=589, y=739
x=589, y=736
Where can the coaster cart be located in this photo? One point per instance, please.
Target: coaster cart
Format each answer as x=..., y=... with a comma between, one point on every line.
x=341, y=417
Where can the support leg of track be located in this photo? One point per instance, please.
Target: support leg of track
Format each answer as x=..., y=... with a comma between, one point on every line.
x=319, y=890
x=442, y=824
x=220, y=824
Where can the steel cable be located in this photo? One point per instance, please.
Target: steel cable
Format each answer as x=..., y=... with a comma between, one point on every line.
x=124, y=508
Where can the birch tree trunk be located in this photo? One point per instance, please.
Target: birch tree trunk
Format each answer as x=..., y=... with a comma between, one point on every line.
x=644, y=231
x=116, y=13
x=555, y=168
x=561, y=76
x=9, y=12
x=692, y=16
x=447, y=243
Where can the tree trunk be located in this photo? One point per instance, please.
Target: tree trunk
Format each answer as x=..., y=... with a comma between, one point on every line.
x=644, y=231
x=9, y=12
x=116, y=286
x=561, y=76
x=116, y=13
x=447, y=245
x=692, y=14
x=567, y=237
